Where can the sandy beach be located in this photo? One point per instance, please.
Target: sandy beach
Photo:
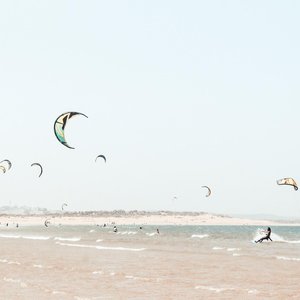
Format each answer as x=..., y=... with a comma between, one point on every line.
x=135, y=218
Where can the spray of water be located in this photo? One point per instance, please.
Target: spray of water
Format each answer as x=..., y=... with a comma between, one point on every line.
x=259, y=233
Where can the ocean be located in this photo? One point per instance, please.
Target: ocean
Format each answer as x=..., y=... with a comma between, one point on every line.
x=181, y=262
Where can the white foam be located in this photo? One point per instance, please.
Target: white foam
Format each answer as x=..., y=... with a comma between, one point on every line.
x=92, y=230
x=217, y=248
x=58, y=293
x=288, y=258
x=13, y=263
x=137, y=278
x=9, y=262
x=101, y=247
x=292, y=242
x=236, y=254
x=11, y=280
x=127, y=232
x=28, y=237
x=97, y=272
x=214, y=289
x=38, y=266
x=151, y=234
x=73, y=239
x=233, y=249
x=32, y=237
x=200, y=236
x=8, y=236
x=99, y=240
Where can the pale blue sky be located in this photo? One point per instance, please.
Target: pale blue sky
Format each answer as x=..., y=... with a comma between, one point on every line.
x=179, y=94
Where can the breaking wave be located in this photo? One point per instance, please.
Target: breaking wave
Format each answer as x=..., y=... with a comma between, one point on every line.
x=200, y=236
x=101, y=247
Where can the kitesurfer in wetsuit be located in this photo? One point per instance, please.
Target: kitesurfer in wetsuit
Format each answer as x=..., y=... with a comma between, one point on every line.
x=267, y=237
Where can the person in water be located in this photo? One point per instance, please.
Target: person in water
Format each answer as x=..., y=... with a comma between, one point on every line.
x=267, y=237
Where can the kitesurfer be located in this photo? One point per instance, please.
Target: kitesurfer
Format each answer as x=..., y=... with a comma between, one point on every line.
x=115, y=229
x=102, y=156
x=267, y=237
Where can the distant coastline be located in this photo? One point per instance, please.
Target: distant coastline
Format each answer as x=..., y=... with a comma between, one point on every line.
x=122, y=217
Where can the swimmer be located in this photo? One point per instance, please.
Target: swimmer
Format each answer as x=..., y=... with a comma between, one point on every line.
x=267, y=237
x=157, y=231
x=115, y=229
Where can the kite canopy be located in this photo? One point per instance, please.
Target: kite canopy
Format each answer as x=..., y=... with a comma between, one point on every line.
x=60, y=124
x=102, y=156
x=47, y=221
x=64, y=204
x=208, y=190
x=39, y=165
x=8, y=162
x=288, y=181
x=5, y=165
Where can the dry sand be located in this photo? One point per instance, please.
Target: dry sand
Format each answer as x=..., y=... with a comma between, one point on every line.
x=140, y=218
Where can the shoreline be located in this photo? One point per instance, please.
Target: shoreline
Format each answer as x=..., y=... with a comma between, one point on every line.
x=177, y=219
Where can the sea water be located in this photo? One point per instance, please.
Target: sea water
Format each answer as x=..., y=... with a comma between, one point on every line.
x=181, y=262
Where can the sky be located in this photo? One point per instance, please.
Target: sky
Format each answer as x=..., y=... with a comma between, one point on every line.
x=178, y=94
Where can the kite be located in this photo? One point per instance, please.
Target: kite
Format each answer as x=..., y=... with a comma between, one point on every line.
x=102, y=156
x=60, y=124
x=47, y=221
x=37, y=164
x=208, y=189
x=62, y=207
x=8, y=163
x=288, y=181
